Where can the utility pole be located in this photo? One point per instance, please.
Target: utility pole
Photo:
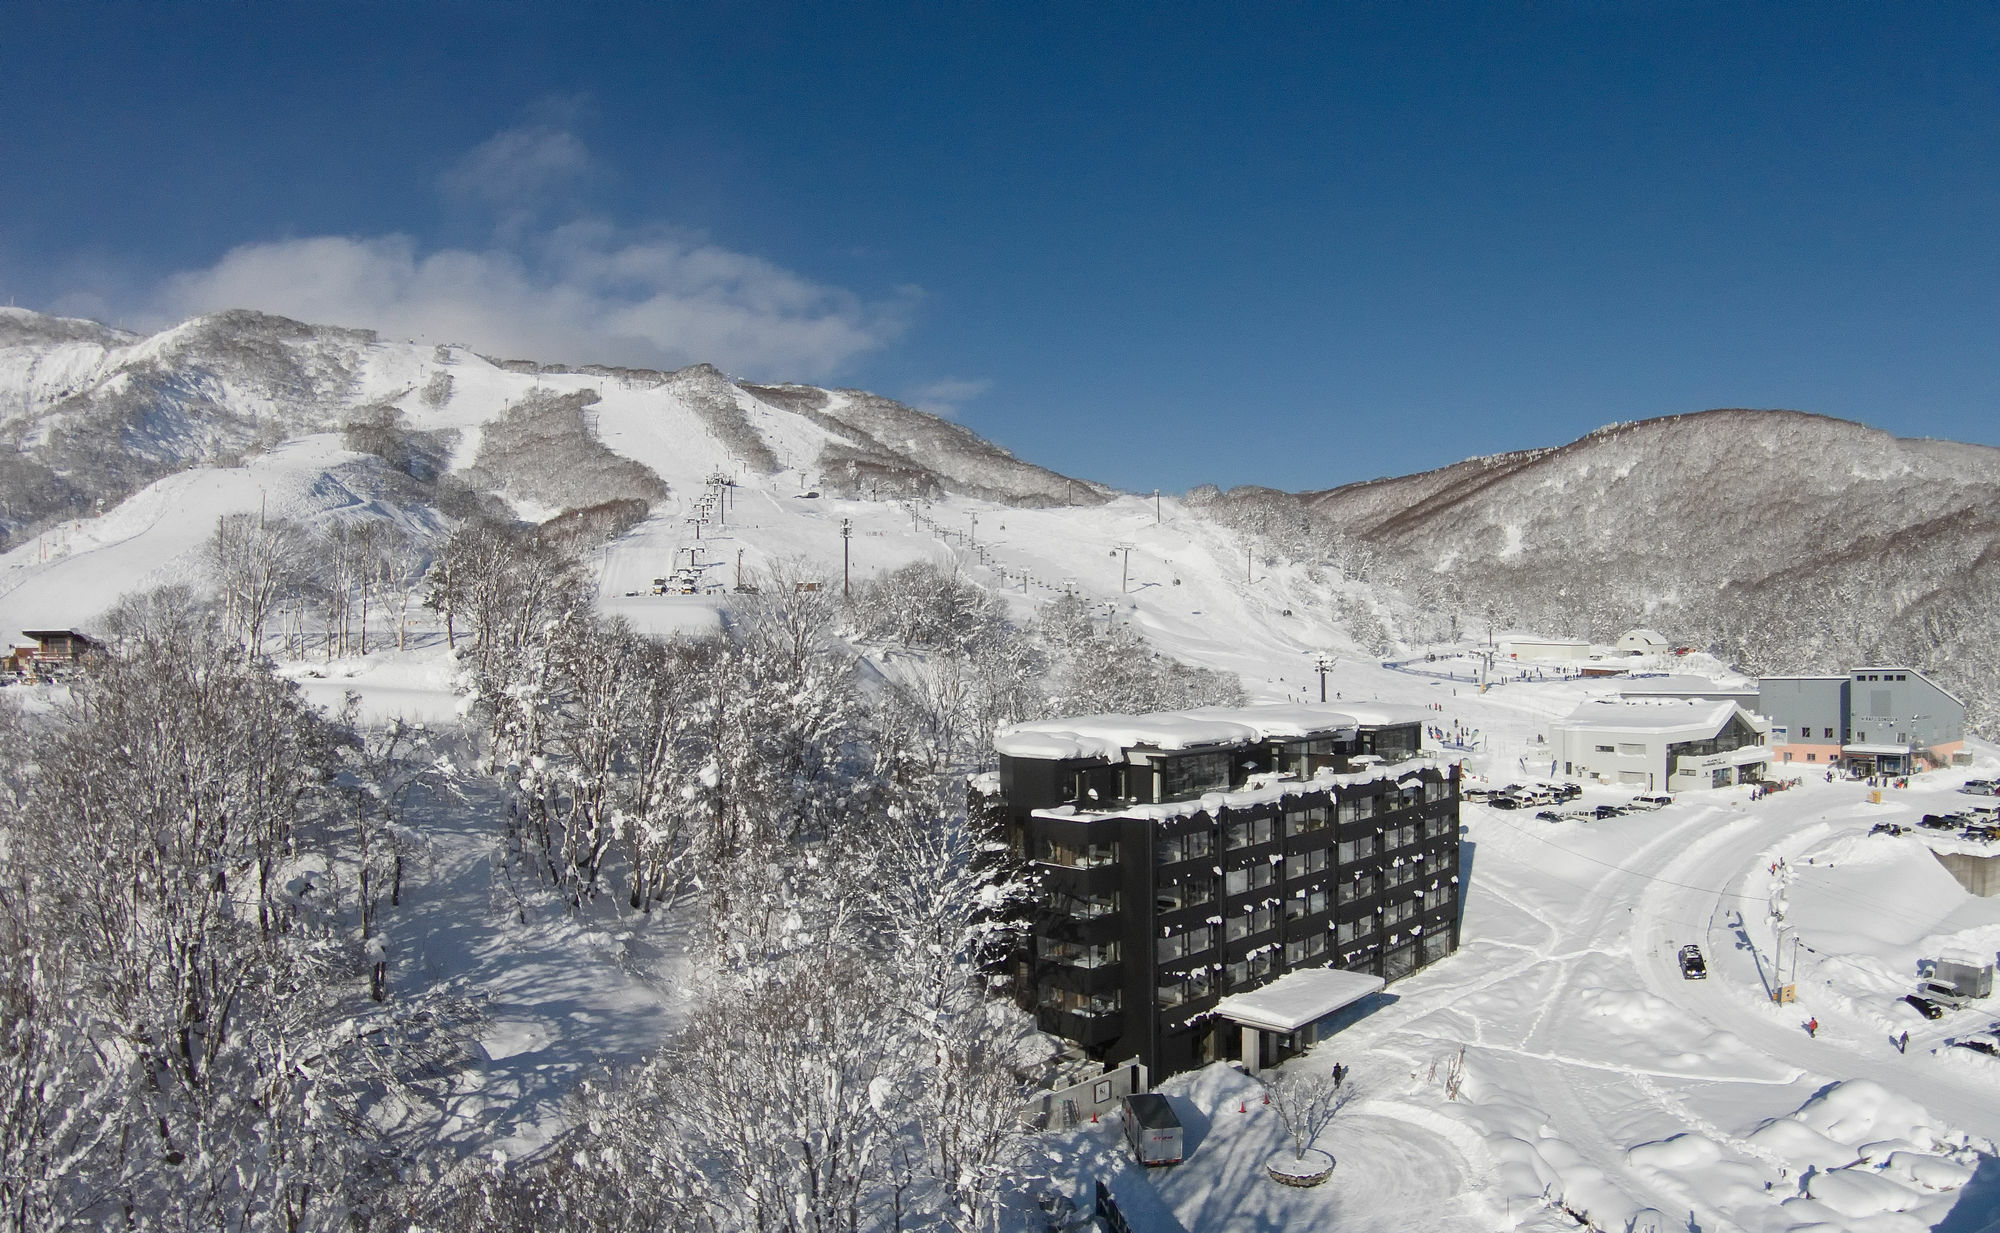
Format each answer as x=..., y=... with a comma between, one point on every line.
x=1156, y=507
x=846, y=538
x=739, y=569
x=1125, y=571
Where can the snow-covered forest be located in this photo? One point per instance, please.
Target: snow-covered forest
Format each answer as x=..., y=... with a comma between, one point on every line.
x=204, y=876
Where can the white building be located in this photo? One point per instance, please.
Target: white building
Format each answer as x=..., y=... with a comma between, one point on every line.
x=1668, y=745
x=1642, y=642
x=1529, y=647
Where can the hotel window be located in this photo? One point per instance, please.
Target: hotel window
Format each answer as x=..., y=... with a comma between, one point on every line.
x=1312, y=903
x=1188, y=847
x=1299, y=864
x=1355, y=849
x=1359, y=888
x=1243, y=832
x=1311, y=818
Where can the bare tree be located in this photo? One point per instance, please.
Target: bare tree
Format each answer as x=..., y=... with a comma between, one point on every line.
x=1306, y=1102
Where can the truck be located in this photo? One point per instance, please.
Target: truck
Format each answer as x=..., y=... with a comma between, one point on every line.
x=1152, y=1129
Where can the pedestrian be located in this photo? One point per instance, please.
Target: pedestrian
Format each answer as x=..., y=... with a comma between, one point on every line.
x=1812, y=1027
x=1903, y=1042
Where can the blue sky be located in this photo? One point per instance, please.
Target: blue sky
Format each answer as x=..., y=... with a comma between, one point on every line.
x=1155, y=245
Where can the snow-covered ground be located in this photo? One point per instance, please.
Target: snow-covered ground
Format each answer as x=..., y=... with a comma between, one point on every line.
x=1593, y=1074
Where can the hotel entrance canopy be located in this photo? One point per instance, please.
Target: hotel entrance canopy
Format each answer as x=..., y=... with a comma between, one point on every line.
x=1298, y=998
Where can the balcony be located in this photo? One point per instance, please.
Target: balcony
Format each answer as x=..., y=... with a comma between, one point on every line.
x=1082, y=1027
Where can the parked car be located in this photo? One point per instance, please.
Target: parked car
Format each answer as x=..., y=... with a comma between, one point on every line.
x=1981, y=787
x=1652, y=802
x=1978, y=1042
x=1940, y=822
x=1925, y=1007
x=1693, y=966
x=1981, y=834
x=1943, y=994
x=1549, y=815
x=1568, y=791
x=1505, y=802
x=1885, y=828
x=1607, y=811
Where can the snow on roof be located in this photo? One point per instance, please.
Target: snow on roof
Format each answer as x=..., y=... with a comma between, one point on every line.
x=1876, y=748
x=1684, y=684
x=1298, y=998
x=1810, y=676
x=1109, y=736
x=1650, y=635
x=1637, y=715
x=1382, y=714
x=1273, y=789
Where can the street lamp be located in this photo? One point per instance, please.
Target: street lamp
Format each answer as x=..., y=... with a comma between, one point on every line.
x=846, y=537
x=1323, y=663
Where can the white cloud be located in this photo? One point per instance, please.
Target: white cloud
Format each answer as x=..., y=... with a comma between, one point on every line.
x=519, y=169
x=944, y=395
x=583, y=291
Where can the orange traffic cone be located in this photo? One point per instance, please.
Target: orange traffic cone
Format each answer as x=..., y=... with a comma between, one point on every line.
x=1093, y=1119
x=1243, y=1106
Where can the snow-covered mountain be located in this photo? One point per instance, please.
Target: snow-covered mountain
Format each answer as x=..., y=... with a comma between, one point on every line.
x=1782, y=540
x=95, y=414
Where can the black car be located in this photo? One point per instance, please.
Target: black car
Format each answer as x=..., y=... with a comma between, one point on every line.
x=1693, y=966
x=1885, y=828
x=1925, y=1007
x=1568, y=791
x=1549, y=815
x=1504, y=802
x=1983, y=1042
x=1937, y=822
x=1607, y=811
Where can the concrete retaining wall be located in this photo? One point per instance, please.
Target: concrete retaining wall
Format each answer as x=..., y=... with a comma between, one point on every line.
x=1978, y=874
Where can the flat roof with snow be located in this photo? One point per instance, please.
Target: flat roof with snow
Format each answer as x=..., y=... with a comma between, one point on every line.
x=1109, y=736
x=1298, y=998
x=1633, y=715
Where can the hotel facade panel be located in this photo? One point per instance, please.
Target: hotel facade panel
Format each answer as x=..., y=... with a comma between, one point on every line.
x=1190, y=856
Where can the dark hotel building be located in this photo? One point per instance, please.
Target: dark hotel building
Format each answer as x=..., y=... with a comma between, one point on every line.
x=1218, y=883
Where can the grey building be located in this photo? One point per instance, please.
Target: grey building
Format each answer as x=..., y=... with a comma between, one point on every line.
x=1898, y=719
x=1220, y=882
x=1808, y=717
x=1874, y=720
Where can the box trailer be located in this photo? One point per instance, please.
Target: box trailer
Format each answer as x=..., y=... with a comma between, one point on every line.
x=1968, y=980
x=1152, y=1129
